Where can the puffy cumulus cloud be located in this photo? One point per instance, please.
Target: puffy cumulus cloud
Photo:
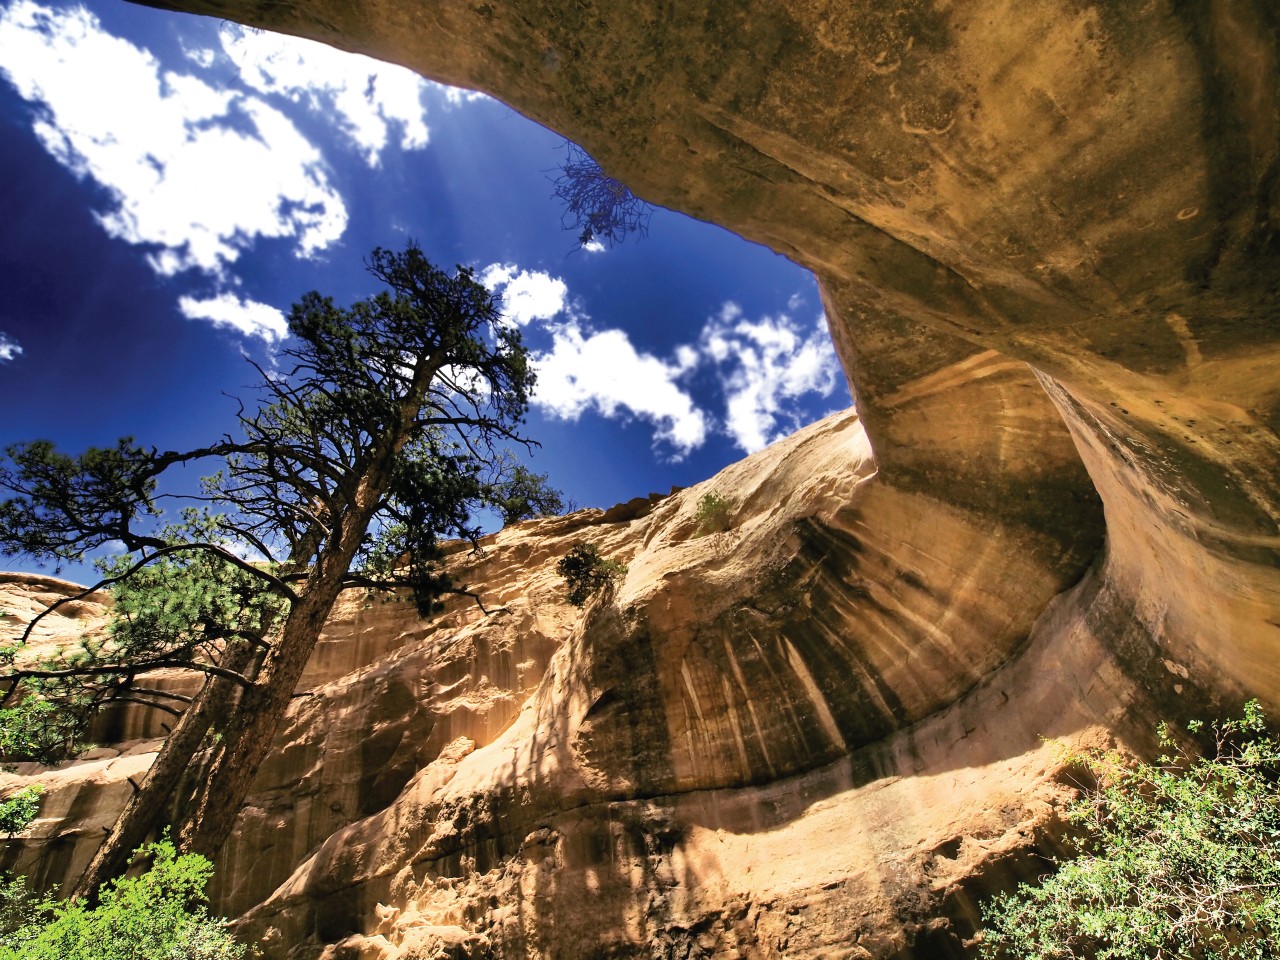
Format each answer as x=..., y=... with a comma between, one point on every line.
x=600, y=371
x=193, y=172
x=526, y=295
x=763, y=366
x=249, y=317
x=366, y=97
x=9, y=348
x=604, y=372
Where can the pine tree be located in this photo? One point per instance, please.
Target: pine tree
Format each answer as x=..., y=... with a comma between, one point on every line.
x=376, y=438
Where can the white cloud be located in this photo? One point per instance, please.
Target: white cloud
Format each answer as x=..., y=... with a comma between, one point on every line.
x=9, y=348
x=195, y=173
x=526, y=295
x=761, y=365
x=457, y=96
x=604, y=371
x=201, y=56
x=366, y=97
x=599, y=371
x=251, y=318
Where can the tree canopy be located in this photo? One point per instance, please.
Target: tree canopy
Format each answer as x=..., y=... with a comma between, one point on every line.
x=379, y=432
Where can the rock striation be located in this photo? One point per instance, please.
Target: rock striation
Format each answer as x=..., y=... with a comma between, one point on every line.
x=1046, y=234
x=810, y=734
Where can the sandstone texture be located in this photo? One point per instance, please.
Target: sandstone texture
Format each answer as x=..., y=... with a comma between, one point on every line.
x=1046, y=233
x=811, y=734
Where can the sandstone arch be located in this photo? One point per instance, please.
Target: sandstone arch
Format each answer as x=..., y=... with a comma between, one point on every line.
x=1046, y=234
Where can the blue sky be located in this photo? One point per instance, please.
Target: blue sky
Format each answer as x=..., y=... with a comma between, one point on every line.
x=174, y=183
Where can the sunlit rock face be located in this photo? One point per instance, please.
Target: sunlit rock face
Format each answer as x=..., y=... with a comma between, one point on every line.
x=1046, y=236
x=813, y=728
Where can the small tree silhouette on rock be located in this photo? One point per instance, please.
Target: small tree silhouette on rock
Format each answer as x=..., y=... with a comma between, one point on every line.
x=599, y=207
x=586, y=573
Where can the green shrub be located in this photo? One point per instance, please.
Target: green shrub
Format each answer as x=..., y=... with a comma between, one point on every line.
x=586, y=573
x=41, y=730
x=19, y=809
x=1178, y=859
x=160, y=915
x=713, y=513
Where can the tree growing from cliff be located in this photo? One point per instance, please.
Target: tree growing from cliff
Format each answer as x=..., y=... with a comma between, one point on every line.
x=517, y=493
x=1178, y=859
x=586, y=572
x=376, y=439
x=601, y=208
x=714, y=514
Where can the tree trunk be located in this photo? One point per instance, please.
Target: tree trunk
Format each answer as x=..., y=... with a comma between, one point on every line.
x=142, y=813
x=249, y=734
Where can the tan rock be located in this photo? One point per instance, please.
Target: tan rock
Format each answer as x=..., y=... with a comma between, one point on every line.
x=1046, y=236
x=807, y=734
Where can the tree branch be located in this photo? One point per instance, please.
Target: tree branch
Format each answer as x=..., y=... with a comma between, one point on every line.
x=222, y=552
x=146, y=703
x=139, y=666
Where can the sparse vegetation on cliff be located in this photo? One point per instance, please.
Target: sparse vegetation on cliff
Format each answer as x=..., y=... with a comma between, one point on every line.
x=586, y=572
x=600, y=208
x=1178, y=859
x=517, y=493
x=19, y=809
x=713, y=513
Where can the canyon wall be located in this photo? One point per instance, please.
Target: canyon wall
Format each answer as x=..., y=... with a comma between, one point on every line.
x=1088, y=188
x=813, y=733
x=1046, y=237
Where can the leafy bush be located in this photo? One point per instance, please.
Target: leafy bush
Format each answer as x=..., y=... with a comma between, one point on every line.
x=19, y=809
x=713, y=513
x=586, y=573
x=20, y=907
x=1179, y=859
x=41, y=730
x=160, y=915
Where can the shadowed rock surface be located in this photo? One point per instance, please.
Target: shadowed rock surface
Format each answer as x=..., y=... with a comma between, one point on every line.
x=1046, y=233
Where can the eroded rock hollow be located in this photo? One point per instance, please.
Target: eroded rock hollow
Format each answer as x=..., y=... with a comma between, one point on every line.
x=1046, y=233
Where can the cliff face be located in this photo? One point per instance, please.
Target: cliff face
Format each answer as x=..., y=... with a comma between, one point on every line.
x=811, y=734
x=1046, y=235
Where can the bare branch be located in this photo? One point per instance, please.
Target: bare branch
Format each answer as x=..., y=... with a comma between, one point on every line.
x=146, y=703
x=130, y=669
